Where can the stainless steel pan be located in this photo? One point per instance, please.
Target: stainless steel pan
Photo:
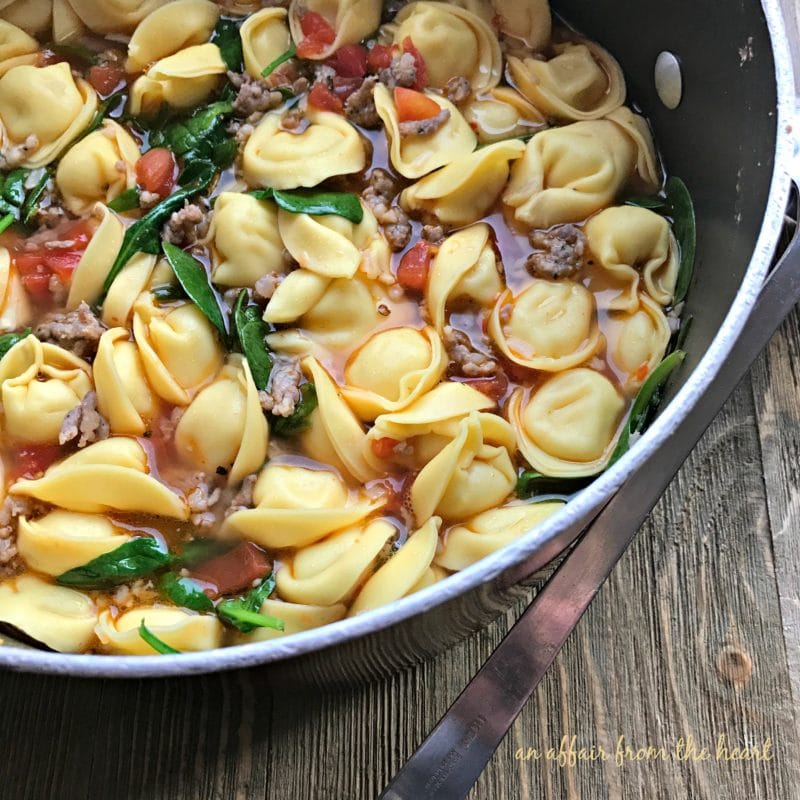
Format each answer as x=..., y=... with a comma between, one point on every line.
x=735, y=140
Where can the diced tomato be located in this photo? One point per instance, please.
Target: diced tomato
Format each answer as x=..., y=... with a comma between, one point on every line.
x=383, y=448
x=63, y=262
x=156, y=171
x=233, y=571
x=412, y=273
x=344, y=87
x=379, y=57
x=495, y=387
x=106, y=78
x=642, y=372
x=37, y=283
x=419, y=62
x=323, y=98
x=33, y=459
x=350, y=61
x=318, y=33
x=413, y=106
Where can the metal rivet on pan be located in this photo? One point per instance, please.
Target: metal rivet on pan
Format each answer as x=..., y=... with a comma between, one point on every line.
x=669, y=80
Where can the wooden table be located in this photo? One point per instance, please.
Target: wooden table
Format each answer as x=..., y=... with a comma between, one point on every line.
x=695, y=635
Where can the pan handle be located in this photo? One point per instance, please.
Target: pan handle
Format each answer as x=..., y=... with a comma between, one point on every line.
x=450, y=760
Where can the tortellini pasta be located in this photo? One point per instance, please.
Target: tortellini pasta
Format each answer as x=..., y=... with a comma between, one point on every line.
x=60, y=618
x=567, y=427
x=265, y=36
x=332, y=246
x=582, y=81
x=279, y=159
x=235, y=441
x=465, y=267
x=111, y=475
x=551, y=326
x=246, y=241
x=470, y=541
x=32, y=16
x=465, y=190
x=182, y=630
x=44, y=108
x=404, y=573
x=124, y=396
x=417, y=155
x=502, y=114
x=351, y=20
x=170, y=28
x=63, y=540
x=329, y=572
x=393, y=369
x=16, y=47
x=113, y=16
x=126, y=289
x=179, y=348
x=40, y=384
x=99, y=168
x=182, y=80
x=15, y=307
x=296, y=506
x=296, y=618
x=627, y=241
x=569, y=173
x=454, y=43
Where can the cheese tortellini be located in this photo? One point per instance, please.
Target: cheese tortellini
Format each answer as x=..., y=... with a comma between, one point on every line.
x=15, y=307
x=43, y=109
x=265, y=37
x=351, y=21
x=40, y=384
x=16, y=47
x=503, y=114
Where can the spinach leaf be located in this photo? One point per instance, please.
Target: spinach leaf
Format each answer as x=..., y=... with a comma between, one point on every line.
x=244, y=613
x=7, y=221
x=134, y=559
x=8, y=340
x=75, y=52
x=127, y=201
x=227, y=38
x=160, y=647
x=251, y=330
x=31, y=204
x=14, y=188
x=185, y=592
x=145, y=234
x=299, y=421
x=531, y=483
x=198, y=551
x=191, y=274
x=168, y=293
x=281, y=59
x=654, y=202
x=110, y=104
x=646, y=402
x=681, y=209
x=342, y=204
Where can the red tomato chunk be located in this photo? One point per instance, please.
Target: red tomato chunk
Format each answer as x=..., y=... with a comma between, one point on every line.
x=350, y=61
x=105, y=79
x=33, y=459
x=414, y=106
x=156, y=171
x=412, y=274
x=318, y=33
x=234, y=571
x=323, y=98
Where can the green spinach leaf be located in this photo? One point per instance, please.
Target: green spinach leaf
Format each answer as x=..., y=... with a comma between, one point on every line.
x=191, y=275
x=646, y=402
x=654, y=202
x=244, y=613
x=134, y=559
x=127, y=201
x=299, y=421
x=160, y=647
x=227, y=38
x=343, y=204
x=531, y=483
x=8, y=340
x=199, y=550
x=681, y=209
x=145, y=234
x=7, y=221
x=185, y=592
x=168, y=293
x=251, y=330
x=31, y=204
x=110, y=104
x=281, y=59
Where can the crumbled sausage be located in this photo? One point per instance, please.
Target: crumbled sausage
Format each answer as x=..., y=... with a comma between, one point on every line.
x=435, y=234
x=187, y=226
x=283, y=394
x=16, y=155
x=13, y=507
x=78, y=331
x=464, y=358
x=266, y=285
x=360, y=106
x=457, y=90
x=424, y=127
x=201, y=496
x=168, y=423
x=84, y=423
x=148, y=199
x=243, y=499
x=254, y=97
x=293, y=120
x=378, y=196
x=127, y=595
x=559, y=252
x=401, y=72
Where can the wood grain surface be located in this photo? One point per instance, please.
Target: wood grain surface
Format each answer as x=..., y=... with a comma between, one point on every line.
x=695, y=635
